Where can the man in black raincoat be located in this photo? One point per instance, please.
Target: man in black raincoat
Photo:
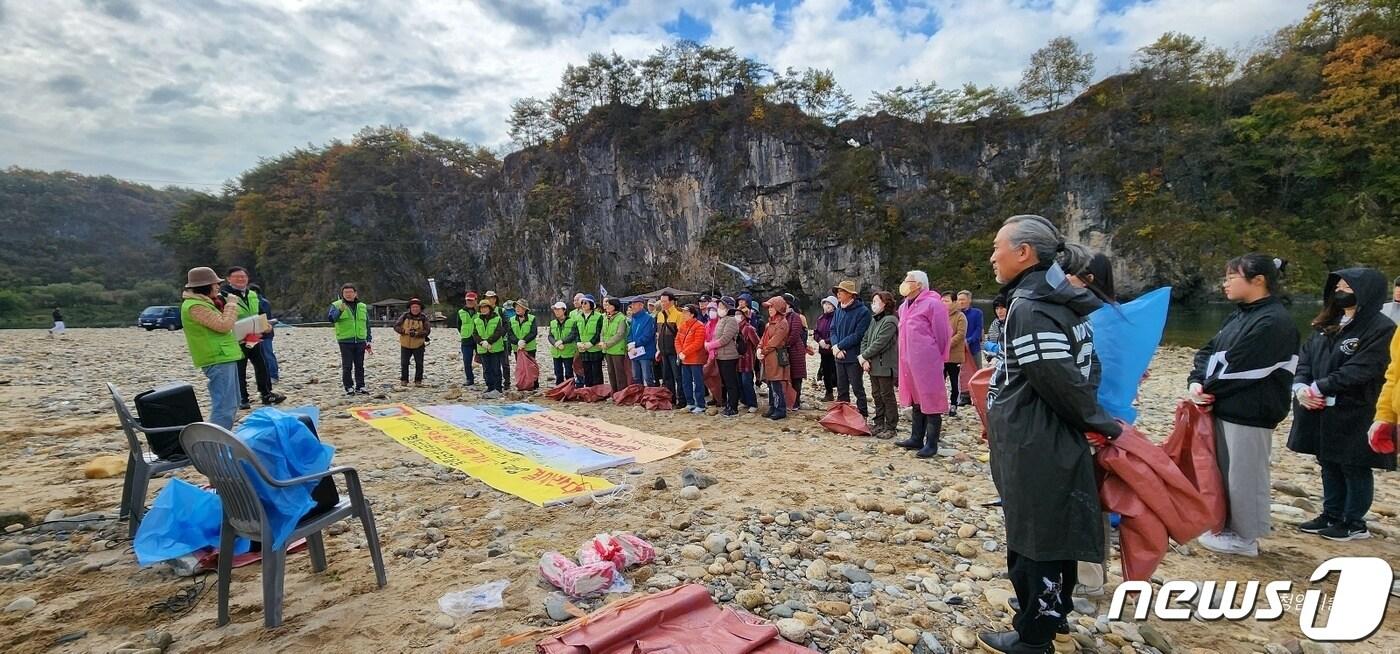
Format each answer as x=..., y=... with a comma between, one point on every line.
x=1042, y=416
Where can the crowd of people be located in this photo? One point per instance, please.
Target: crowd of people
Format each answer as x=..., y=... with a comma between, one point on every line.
x=920, y=347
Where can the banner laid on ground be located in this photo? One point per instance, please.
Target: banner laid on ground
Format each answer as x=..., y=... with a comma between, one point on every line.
x=458, y=448
x=545, y=448
x=604, y=436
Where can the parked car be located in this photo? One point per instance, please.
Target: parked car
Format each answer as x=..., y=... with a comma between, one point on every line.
x=163, y=317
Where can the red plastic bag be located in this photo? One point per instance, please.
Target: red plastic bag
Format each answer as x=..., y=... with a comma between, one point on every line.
x=595, y=393
x=563, y=392
x=845, y=418
x=713, y=383
x=628, y=396
x=527, y=372
x=1192, y=447
x=979, y=385
x=657, y=398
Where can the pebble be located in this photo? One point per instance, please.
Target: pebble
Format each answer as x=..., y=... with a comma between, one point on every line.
x=716, y=543
x=792, y=630
x=751, y=599
x=494, y=514
x=1290, y=488
x=583, y=501
x=928, y=644
x=21, y=605
x=690, y=493
x=663, y=581
x=915, y=515
x=692, y=552
x=981, y=572
x=20, y=556
x=868, y=503
x=906, y=636
x=967, y=531
x=444, y=621
x=833, y=608
x=1155, y=638
x=964, y=637
x=659, y=484
x=689, y=477
x=855, y=575
x=555, y=607
x=817, y=570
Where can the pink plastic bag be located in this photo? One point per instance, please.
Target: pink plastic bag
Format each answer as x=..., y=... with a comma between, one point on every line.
x=576, y=580
x=621, y=550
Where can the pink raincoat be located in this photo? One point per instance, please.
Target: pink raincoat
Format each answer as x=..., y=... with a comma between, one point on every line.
x=924, y=336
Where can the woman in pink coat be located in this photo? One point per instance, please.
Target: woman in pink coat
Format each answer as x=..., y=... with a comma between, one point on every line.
x=924, y=337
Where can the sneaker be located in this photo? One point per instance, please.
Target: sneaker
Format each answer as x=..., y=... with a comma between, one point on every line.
x=1227, y=542
x=349, y=392
x=361, y=391
x=418, y=384
x=778, y=416
x=953, y=411
x=753, y=409
x=698, y=410
x=244, y=405
x=729, y=414
x=1343, y=532
x=490, y=395
x=273, y=398
x=1316, y=525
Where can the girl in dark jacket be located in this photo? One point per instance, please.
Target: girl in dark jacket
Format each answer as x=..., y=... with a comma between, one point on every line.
x=1244, y=374
x=1339, y=379
x=822, y=333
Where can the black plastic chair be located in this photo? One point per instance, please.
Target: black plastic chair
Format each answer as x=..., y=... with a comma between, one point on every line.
x=141, y=465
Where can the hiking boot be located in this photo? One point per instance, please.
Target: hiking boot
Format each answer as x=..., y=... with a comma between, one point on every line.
x=1227, y=542
x=1316, y=525
x=273, y=398
x=1343, y=531
x=928, y=451
x=244, y=405
x=1009, y=642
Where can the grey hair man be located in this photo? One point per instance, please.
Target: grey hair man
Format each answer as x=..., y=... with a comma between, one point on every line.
x=1043, y=416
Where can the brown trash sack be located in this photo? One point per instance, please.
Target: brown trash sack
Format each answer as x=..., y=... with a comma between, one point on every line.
x=683, y=620
x=1191, y=446
x=657, y=398
x=629, y=396
x=563, y=392
x=527, y=372
x=845, y=418
x=713, y=383
x=595, y=393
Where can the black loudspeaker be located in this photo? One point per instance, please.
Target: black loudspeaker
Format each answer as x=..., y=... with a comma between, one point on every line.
x=325, y=493
x=171, y=405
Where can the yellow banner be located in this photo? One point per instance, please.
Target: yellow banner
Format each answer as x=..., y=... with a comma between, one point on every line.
x=604, y=436
x=458, y=448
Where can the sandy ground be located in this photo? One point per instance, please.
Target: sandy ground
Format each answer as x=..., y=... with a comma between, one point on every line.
x=88, y=587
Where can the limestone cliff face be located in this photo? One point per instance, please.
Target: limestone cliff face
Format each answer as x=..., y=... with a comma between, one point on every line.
x=635, y=200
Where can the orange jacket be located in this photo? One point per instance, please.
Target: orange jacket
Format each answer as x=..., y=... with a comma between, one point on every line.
x=690, y=342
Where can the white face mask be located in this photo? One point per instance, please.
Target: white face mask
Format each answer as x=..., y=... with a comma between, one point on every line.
x=714, y=313
x=877, y=306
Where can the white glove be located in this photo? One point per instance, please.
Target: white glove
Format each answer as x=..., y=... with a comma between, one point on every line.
x=1198, y=396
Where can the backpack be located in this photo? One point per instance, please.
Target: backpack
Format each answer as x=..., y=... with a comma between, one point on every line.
x=741, y=344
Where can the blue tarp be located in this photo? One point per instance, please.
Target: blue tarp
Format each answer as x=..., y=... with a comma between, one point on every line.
x=183, y=519
x=1125, y=338
x=286, y=449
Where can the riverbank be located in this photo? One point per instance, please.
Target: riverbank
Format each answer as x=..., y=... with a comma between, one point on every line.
x=925, y=558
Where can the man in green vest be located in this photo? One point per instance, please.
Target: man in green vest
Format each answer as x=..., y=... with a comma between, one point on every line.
x=249, y=304
x=351, y=319
x=590, y=345
x=209, y=336
x=615, y=344
x=466, y=327
x=524, y=332
x=491, y=348
x=563, y=342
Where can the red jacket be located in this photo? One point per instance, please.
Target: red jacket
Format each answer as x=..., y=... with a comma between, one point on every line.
x=690, y=342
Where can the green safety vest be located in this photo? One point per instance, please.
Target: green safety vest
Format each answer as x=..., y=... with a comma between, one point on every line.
x=523, y=329
x=467, y=324
x=557, y=332
x=248, y=307
x=590, y=328
x=207, y=347
x=484, y=330
x=610, y=328
x=352, y=325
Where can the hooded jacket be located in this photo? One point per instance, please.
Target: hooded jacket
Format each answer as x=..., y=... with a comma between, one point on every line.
x=775, y=337
x=879, y=345
x=1249, y=364
x=1350, y=367
x=923, y=334
x=957, y=344
x=1041, y=401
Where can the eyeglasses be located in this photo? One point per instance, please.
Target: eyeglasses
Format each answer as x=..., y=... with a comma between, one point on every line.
x=1231, y=278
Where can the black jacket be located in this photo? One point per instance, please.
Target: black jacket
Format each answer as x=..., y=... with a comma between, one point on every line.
x=1349, y=366
x=1042, y=400
x=1249, y=364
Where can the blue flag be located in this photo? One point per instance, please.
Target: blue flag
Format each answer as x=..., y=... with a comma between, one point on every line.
x=1125, y=338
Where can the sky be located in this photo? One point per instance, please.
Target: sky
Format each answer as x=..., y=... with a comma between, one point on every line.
x=194, y=92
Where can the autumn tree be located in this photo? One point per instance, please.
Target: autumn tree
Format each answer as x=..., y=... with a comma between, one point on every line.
x=530, y=122
x=1056, y=71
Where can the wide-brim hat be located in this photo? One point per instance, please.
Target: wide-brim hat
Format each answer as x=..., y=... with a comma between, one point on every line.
x=522, y=304
x=560, y=305
x=848, y=286
x=202, y=276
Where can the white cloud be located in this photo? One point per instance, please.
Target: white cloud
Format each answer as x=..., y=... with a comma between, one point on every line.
x=197, y=92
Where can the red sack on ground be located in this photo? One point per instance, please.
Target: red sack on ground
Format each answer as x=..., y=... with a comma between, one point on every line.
x=527, y=372
x=628, y=396
x=845, y=418
x=657, y=398
x=979, y=385
x=1192, y=447
x=713, y=383
x=563, y=392
x=595, y=393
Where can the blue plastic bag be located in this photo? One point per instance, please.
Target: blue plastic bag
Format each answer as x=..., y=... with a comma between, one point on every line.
x=183, y=519
x=1125, y=338
x=286, y=449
